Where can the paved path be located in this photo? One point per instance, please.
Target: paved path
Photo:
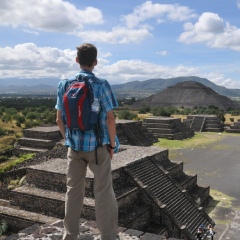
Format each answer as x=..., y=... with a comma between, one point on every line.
x=218, y=165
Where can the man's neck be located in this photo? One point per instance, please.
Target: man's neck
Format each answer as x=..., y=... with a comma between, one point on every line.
x=90, y=69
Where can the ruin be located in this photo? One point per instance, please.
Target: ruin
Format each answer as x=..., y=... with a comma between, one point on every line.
x=168, y=127
x=42, y=139
x=204, y=123
x=234, y=128
x=188, y=94
x=154, y=195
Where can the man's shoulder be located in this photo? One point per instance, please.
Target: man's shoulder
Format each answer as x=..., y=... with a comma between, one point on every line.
x=99, y=80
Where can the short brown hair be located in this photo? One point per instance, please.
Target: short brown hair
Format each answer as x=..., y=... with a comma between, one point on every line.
x=87, y=54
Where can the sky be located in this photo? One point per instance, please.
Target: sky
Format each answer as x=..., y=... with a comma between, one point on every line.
x=136, y=40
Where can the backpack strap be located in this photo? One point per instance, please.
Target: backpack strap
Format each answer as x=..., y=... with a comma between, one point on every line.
x=97, y=131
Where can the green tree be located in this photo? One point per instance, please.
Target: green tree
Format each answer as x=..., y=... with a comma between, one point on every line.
x=6, y=118
x=11, y=111
x=32, y=115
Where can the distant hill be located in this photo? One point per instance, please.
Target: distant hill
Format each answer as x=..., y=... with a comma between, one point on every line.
x=142, y=89
x=188, y=94
x=139, y=89
x=37, y=89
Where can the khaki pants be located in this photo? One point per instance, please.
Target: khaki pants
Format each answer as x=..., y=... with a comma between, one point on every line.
x=105, y=202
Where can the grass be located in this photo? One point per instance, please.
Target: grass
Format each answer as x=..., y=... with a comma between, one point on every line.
x=199, y=140
x=5, y=166
x=220, y=206
x=6, y=142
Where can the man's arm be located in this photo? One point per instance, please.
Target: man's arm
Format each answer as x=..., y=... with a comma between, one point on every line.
x=60, y=123
x=112, y=130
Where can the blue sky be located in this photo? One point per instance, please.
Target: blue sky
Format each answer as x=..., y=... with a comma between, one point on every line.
x=137, y=40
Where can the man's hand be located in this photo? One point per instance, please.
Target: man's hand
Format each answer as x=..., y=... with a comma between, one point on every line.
x=111, y=150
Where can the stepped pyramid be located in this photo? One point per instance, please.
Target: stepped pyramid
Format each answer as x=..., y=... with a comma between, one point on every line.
x=188, y=94
x=167, y=127
x=153, y=193
x=204, y=123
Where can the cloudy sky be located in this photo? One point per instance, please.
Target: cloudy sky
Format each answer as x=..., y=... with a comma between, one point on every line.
x=137, y=40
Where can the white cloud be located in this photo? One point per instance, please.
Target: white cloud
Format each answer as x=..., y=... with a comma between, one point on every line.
x=117, y=35
x=159, y=12
x=30, y=61
x=212, y=31
x=51, y=15
x=238, y=4
x=162, y=53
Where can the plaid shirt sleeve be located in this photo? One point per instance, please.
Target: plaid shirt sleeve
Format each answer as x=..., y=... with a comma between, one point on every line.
x=59, y=104
x=108, y=99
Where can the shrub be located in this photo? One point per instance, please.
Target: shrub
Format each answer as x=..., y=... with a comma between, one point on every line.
x=158, y=111
x=144, y=109
x=2, y=132
x=125, y=114
x=3, y=227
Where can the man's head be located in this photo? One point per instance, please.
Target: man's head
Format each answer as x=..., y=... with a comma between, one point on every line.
x=87, y=55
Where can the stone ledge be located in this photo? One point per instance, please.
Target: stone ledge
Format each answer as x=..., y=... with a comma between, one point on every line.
x=88, y=231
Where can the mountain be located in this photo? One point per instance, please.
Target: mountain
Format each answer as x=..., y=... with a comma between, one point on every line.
x=188, y=94
x=142, y=89
x=138, y=89
x=37, y=89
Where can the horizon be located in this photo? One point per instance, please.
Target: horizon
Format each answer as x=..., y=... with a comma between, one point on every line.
x=136, y=41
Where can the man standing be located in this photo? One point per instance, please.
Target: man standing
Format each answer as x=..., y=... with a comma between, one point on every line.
x=81, y=153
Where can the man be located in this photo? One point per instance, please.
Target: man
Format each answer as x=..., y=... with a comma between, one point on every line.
x=81, y=153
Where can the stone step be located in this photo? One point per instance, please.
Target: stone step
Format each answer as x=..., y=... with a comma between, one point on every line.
x=51, y=133
x=36, y=143
x=51, y=175
x=138, y=218
x=163, y=130
x=40, y=201
x=212, y=125
x=19, y=219
x=53, y=203
x=26, y=150
x=158, y=125
x=166, y=195
x=159, y=120
x=233, y=130
x=186, y=215
x=88, y=230
x=174, y=204
x=213, y=129
x=236, y=127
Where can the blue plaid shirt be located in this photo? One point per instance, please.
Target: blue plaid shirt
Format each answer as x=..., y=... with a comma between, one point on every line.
x=86, y=140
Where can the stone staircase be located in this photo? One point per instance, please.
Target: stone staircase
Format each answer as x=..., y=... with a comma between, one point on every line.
x=178, y=206
x=234, y=128
x=204, y=123
x=166, y=127
x=39, y=139
x=199, y=194
x=198, y=123
x=134, y=133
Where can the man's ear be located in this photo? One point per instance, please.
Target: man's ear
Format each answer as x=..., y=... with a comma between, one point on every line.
x=77, y=60
x=95, y=63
